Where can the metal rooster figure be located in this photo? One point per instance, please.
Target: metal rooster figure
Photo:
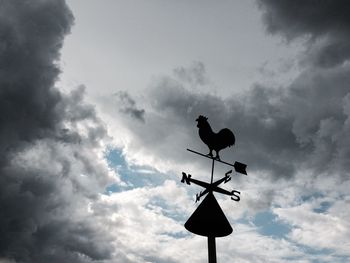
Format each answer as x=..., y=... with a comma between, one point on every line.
x=208, y=219
x=214, y=141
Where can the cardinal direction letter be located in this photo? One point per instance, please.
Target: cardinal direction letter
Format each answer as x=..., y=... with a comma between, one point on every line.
x=235, y=195
x=186, y=178
x=227, y=176
x=202, y=193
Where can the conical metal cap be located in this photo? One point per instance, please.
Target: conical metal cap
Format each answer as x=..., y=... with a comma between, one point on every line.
x=209, y=219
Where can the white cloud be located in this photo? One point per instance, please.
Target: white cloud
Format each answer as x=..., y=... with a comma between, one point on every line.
x=328, y=230
x=138, y=221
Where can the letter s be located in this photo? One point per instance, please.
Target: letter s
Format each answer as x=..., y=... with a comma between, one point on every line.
x=236, y=195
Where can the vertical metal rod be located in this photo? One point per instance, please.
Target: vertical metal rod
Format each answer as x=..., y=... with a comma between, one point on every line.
x=212, y=171
x=211, y=250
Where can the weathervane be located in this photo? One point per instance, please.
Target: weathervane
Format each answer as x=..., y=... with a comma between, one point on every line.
x=208, y=219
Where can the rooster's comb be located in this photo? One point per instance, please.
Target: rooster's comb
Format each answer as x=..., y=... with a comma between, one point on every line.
x=201, y=118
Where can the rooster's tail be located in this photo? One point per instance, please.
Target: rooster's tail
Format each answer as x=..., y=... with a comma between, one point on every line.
x=227, y=136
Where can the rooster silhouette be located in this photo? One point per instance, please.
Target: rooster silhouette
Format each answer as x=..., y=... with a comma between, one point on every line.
x=214, y=141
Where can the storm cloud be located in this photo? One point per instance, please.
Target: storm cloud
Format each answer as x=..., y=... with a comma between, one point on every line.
x=53, y=170
x=325, y=24
x=49, y=141
x=294, y=137
x=280, y=131
x=319, y=98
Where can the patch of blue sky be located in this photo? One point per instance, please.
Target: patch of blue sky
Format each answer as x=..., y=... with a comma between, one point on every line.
x=268, y=224
x=143, y=176
x=316, y=251
x=133, y=176
x=315, y=195
x=324, y=206
x=178, y=235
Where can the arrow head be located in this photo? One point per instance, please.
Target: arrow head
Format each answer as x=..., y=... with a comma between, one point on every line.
x=240, y=168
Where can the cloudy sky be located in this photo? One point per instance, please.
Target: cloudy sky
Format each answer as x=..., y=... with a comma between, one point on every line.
x=98, y=104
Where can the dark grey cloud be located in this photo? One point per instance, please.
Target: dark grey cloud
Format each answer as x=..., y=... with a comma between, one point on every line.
x=264, y=137
x=128, y=106
x=279, y=131
x=48, y=168
x=325, y=23
x=282, y=131
x=317, y=100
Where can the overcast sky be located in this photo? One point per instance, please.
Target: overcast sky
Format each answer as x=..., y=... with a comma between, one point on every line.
x=99, y=101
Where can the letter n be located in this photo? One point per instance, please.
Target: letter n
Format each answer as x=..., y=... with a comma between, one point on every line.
x=185, y=178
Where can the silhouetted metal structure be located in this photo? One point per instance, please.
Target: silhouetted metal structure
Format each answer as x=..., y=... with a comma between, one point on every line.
x=208, y=219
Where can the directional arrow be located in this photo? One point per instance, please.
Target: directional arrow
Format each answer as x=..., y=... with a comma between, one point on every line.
x=239, y=167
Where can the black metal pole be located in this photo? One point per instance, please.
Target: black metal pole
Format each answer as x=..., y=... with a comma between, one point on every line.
x=212, y=171
x=211, y=250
